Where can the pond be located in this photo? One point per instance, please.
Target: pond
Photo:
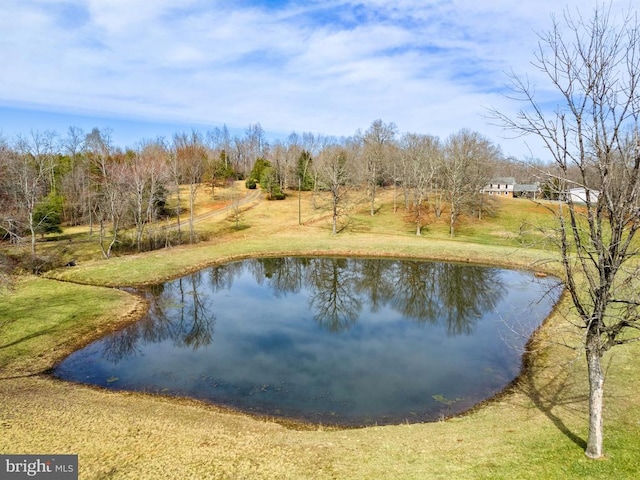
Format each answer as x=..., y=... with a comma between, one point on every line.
x=341, y=341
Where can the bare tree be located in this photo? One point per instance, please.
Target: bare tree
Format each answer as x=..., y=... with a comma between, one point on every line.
x=76, y=182
x=113, y=206
x=334, y=175
x=191, y=158
x=6, y=208
x=377, y=141
x=403, y=171
x=465, y=170
x=220, y=168
x=219, y=140
x=29, y=170
x=247, y=149
x=8, y=203
x=108, y=197
x=42, y=145
x=235, y=214
x=98, y=149
x=280, y=160
x=593, y=64
x=148, y=173
x=175, y=179
x=420, y=156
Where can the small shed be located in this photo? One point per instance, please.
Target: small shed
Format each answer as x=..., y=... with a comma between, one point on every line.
x=579, y=195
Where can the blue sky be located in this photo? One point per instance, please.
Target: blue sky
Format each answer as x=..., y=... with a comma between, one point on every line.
x=148, y=68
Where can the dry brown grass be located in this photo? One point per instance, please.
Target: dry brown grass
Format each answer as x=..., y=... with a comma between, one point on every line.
x=528, y=433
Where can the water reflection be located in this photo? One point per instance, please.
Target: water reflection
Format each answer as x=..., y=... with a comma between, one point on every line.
x=179, y=311
x=338, y=288
x=335, y=340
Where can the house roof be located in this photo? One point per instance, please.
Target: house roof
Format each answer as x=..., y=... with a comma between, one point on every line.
x=531, y=187
x=505, y=180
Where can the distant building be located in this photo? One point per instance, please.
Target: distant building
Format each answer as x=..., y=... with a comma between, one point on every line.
x=507, y=187
x=579, y=195
x=502, y=186
x=528, y=190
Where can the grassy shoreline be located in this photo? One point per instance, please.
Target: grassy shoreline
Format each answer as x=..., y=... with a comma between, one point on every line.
x=536, y=429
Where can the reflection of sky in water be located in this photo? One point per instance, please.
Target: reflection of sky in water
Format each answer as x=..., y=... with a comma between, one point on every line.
x=269, y=353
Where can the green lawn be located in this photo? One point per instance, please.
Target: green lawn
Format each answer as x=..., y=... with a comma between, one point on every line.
x=43, y=320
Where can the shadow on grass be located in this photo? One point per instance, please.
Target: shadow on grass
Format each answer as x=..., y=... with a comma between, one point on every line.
x=553, y=395
x=28, y=337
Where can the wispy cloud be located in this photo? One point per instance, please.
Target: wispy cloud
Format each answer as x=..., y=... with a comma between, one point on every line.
x=323, y=66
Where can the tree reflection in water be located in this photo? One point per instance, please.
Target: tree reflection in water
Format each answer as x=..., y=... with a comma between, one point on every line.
x=338, y=288
x=192, y=326
x=422, y=291
x=333, y=340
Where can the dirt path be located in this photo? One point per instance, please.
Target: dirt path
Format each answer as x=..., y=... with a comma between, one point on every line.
x=250, y=199
x=254, y=196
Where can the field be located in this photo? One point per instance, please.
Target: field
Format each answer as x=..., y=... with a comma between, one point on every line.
x=535, y=429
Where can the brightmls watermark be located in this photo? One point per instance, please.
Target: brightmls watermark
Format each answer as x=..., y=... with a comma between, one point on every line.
x=48, y=467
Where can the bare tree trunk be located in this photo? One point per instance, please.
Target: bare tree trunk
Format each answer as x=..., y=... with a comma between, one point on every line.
x=374, y=176
x=32, y=231
x=114, y=239
x=437, y=203
x=139, y=219
x=418, y=215
x=395, y=190
x=377, y=144
x=596, y=396
x=334, y=228
x=101, y=239
x=452, y=221
x=193, y=190
x=178, y=209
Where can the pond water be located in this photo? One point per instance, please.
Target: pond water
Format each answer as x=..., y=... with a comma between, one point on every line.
x=327, y=340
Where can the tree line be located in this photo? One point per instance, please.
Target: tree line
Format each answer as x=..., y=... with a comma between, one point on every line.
x=143, y=197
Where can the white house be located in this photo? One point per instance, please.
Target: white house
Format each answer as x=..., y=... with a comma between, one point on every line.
x=507, y=187
x=502, y=186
